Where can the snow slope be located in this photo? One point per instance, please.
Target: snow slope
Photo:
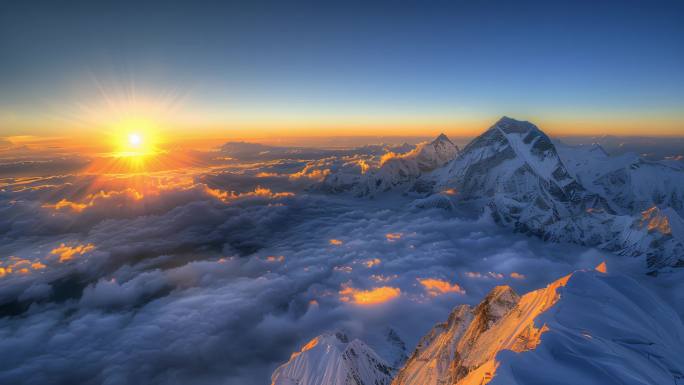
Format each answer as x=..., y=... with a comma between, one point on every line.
x=589, y=327
x=334, y=359
x=630, y=183
x=605, y=330
x=463, y=350
x=586, y=328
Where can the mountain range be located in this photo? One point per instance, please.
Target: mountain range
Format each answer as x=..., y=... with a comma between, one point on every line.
x=525, y=180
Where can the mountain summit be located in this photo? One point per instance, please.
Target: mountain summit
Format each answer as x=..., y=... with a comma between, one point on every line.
x=514, y=169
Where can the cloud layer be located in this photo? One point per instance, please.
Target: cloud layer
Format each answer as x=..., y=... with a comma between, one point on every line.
x=216, y=274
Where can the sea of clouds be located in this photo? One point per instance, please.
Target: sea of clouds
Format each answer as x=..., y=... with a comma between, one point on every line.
x=216, y=272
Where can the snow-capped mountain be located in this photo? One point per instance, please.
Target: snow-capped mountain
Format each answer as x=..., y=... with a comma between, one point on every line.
x=519, y=176
x=630, y=183
x=334, y=359
x=604, y=330
x=435, y=154
x=516, y=172
x=514, y=169
x=588, y=327
x=463, y=349
x=395, y=170
x=657, y=234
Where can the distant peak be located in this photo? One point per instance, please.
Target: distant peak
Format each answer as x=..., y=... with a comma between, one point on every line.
x=602, y=267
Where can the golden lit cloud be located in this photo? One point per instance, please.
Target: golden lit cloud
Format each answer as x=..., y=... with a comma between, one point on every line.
x=335, y=242
x=275, y=258
x=370, y=297
x=16, y=265
x=393, y=236
x=67, y=253
x=517, y=275
x=435, y=287
x=227, y=196
x=372, y=262
x=93, y=199
x=309, y=173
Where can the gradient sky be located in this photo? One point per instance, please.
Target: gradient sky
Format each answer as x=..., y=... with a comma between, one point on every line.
x=342, y=68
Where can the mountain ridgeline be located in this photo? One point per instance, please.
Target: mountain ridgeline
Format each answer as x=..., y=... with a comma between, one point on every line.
x=589, y=327
x=526, y=181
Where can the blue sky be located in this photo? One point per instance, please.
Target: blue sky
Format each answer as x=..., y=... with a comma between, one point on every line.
x=324, y=62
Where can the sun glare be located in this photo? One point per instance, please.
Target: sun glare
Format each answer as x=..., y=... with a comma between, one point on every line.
x=135, y=137
x=135, y=140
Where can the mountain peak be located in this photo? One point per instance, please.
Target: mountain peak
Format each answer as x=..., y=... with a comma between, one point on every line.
x=442, y=138
x=510, y=125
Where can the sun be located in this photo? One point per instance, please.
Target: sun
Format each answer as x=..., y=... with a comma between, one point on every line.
x=135, y=137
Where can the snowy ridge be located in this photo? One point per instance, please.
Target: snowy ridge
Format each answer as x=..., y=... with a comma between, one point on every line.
x=588, y=327
x=463, y=350
x=630, y=183
x=605, y=330
x=395, y=171
x=334, y=359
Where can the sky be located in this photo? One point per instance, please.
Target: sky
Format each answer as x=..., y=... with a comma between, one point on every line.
x=277, y=69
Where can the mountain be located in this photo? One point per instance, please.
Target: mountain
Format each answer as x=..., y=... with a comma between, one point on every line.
x=463, y=349
x=334, y=359
x=630, y=183
x=563, y=193
x=589, y=327
x=657, y=234
x=604, y=330
x=256, y=151
x=518, y=175
x=431, y=155
x=514, y=169
x=395, y=171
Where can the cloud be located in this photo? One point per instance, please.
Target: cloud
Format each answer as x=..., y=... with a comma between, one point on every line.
x=67, y=253
x=435, y=287
x=216, y=275
x=369, y=297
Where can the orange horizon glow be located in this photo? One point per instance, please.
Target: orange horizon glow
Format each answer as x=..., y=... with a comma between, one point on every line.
x=211, y=135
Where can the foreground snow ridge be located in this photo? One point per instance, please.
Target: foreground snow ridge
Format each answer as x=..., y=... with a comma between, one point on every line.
x=463, y=349
x=588, y=327
x=333, y=359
